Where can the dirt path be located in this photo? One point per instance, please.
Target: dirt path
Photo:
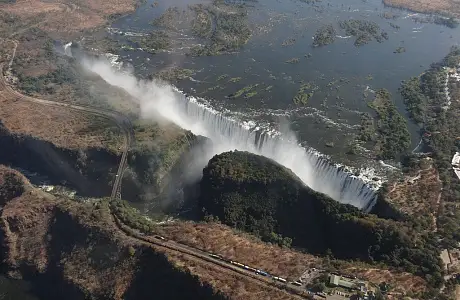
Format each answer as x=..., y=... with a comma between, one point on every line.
x=119, y=119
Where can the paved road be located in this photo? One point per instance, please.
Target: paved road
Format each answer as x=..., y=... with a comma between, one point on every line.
x=125, y=125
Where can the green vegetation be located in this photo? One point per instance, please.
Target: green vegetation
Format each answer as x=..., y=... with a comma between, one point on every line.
x=400, y=50
x=367, y=128
x=448, y=22
x=288, y=42
x=393, y=137
x=389, y=16
x=45, y=84
x=11, y=186
x=202, y=22
x=325, y=35
x=132, y=217
x=175, y=74
x=235, y=79
x=415, y=100
x=224, y=26
x=395, y=26
x=246, y=90
x=213, y=88
x=364, y=31
x=222, y=77
x=154, y=41
x=305, y=92
x=156, y=151
x=255, y=194
x=250, y=94
x=302, y=98
x=292, y=60
x=170, y=19
x=425, y=100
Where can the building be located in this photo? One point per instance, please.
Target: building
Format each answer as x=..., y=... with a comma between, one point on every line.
x=347, y=283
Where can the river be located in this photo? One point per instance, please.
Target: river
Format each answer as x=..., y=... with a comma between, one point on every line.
x=341, y=72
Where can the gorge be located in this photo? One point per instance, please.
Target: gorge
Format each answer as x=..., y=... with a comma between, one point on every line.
x=159, y=100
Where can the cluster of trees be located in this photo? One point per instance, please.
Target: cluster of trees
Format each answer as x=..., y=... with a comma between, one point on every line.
x=11, y=186
x=389, y=131
x=154, y=41
x=231, y=31
x=425, y=98
x=131, y=217
x=364, y=31
x=449, y=22
x=325, y=35
x=202, y=22
x=255, y=194
x=224, y=26
x=44, y=84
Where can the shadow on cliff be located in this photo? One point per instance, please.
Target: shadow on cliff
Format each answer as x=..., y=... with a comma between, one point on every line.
x=84, y=171
x=157, y=276
x=82, y=257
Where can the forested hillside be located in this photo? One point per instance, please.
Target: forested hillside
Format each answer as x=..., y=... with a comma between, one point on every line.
x=255, y=194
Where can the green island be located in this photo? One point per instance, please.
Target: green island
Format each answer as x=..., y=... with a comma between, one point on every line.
x=174, y=74
x=400, y=50
x=325, y=35
x=247, y=91
x=364, y=31
x=255, y=194
x=305, y=92
x=388, y=133
x=293, y=60
x=223, y=26
x=288, y=42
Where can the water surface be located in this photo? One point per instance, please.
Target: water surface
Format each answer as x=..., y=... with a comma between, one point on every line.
x=344, y=74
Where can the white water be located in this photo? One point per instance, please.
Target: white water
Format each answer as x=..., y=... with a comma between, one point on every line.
x=226, y=134
x=67, y=49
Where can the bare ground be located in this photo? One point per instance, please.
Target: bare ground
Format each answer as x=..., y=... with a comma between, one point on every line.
x=446, y=7
x=60, y=126
x=96, y=258
x=244, y=248
x=65, y=18
x=418, y=194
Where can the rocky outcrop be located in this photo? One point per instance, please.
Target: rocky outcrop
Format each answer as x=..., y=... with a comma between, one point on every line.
x=255, y=194
x=74, y=251
x=88, y=171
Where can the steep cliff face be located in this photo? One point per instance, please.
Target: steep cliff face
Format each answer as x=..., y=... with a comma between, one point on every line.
x=258, y=195
x=74, y=251
x=88, y=171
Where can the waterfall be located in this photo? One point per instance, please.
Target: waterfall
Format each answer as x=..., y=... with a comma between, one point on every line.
x=315, y=171
x=67, y=49
x=227, y=134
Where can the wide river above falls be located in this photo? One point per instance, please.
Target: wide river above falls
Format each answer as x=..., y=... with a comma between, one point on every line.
x=342, y=75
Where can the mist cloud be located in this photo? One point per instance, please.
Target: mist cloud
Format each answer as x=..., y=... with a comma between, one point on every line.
x=159, y=101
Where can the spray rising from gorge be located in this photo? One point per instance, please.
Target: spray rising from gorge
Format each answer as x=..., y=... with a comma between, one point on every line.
x=159, y=100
